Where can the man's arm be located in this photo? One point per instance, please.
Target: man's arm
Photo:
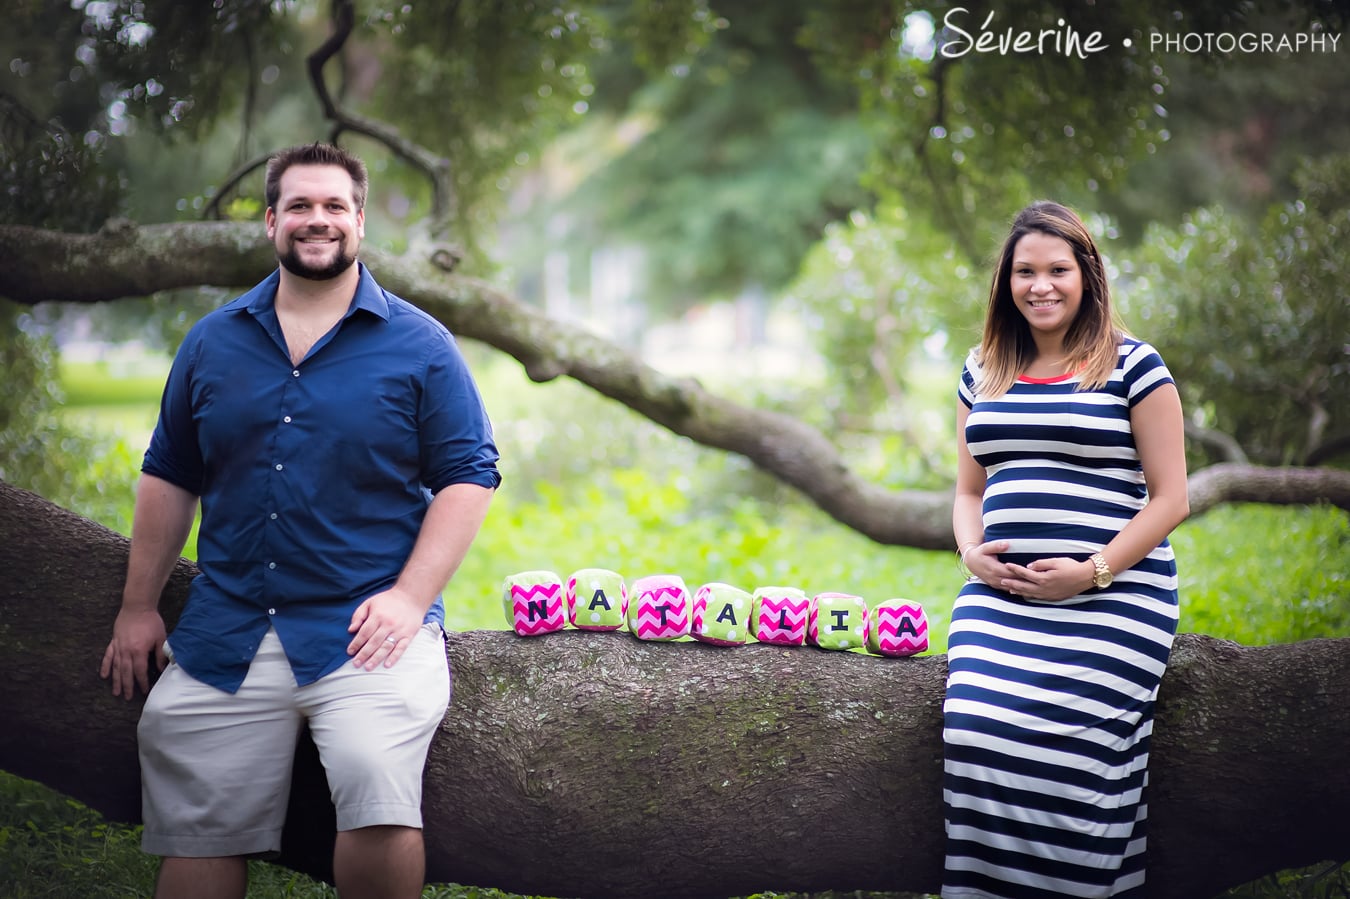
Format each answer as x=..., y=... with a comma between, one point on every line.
x=452, y=521
x=159, y=530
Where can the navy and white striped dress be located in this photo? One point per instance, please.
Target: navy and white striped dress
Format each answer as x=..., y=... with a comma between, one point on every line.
x=1049, y=706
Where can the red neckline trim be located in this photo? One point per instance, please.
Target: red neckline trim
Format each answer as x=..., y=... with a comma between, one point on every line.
x=1055, y=380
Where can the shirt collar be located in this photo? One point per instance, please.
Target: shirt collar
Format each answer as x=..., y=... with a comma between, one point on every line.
x=262, y=299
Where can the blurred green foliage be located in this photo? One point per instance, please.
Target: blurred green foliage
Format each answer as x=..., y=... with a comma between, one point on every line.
x=1252, y=318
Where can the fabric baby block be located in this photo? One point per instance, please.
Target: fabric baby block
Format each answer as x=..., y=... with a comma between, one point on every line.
x=722, y=614
x=597, y=599
x=534, y=603
x=838, y=621
x=899, y=628
x=779, y=615
x=659, y=607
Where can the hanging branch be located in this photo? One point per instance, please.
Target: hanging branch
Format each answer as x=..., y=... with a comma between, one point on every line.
x=435, y=167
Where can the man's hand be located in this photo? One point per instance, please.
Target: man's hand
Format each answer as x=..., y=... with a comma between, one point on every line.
x=384, y=626
x=136, y=636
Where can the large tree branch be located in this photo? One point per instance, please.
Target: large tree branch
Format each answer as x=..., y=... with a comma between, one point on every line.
x=137, y=261
x=601, y=765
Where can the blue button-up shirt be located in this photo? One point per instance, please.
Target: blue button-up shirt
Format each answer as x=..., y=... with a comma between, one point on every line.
x=314, y=478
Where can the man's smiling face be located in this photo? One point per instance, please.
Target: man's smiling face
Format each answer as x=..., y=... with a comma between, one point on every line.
x=316, y=226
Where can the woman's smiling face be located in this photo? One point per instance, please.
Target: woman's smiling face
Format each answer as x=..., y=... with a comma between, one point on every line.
x=1046, y=282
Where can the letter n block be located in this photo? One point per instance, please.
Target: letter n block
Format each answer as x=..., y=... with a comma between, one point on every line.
x=597, y=600
x=899, y=628
x=779, y=615
x=722, y=614
x=838, y=621
x=534, y=603
x=659, y=608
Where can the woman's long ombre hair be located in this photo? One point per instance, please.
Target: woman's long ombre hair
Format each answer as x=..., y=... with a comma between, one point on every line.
x=1091, y=345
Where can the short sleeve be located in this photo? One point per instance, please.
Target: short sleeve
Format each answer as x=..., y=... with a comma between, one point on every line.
x=965, y=389
x=1144, y=372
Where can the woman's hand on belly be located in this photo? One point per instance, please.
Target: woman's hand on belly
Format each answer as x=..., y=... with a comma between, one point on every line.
x=1049, y=580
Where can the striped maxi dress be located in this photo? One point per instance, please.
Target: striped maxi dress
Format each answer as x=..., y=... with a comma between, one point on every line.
x=1049, y=706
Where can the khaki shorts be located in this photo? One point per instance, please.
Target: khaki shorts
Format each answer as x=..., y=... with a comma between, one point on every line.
x=216, y=767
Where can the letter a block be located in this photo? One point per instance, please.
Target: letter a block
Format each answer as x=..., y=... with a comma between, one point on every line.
x=597, y=599
x=838, y=621
x=722, y=614
x=534, y=603
x=779, y=615
x=659, y=608
x=899, y=628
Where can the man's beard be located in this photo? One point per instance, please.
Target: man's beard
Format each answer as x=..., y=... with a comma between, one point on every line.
x=341, y=261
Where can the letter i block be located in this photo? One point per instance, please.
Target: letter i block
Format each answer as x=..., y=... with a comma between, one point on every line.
x=534, y=603
x=597, y=599
x=722, y=614
x=779, y=615
x=659, y=608
x=899, y=628
x=838, y=621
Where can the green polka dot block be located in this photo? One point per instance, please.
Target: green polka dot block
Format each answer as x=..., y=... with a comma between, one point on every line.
x=838, y=621
x=722, y=615
x=597, y=599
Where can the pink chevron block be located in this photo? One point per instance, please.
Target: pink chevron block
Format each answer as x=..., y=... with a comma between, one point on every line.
x=597, y=599
x=659, y=608
x=899, y=628
x=534, y=603
x=838, y=621
x=779, y=615
x=721, y=615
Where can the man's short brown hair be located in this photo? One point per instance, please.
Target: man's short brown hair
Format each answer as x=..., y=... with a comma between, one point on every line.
x=316, y=154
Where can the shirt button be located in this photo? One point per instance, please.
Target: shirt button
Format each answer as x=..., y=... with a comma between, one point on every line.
x=271, y=611
x=271, y=564
x=287, y=419
x=279, y=466
x=273, y=516
x=296, y=373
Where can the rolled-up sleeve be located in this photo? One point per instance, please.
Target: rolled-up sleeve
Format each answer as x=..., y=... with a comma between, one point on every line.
x=456, y=439
x=174, y=454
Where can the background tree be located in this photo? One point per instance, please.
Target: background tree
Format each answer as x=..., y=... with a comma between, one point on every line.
x=957, y=143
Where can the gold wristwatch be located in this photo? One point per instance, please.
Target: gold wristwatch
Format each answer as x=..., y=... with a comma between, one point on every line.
x=1102, y=577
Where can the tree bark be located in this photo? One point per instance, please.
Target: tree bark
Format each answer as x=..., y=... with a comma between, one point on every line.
x=125, y=260
x=583, y=764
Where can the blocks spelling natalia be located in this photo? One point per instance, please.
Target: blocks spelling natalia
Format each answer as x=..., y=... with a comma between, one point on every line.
x=660, y=608
x=837, y=621
x=597, y=600
x=721, y=615
x=779, y=615
x=898, y=628
x=534, y=603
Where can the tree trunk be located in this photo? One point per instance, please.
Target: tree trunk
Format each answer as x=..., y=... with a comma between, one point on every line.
x=126, y=259
x=584, y=764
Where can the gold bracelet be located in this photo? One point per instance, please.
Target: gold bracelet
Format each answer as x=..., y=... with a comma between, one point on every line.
x=961, y=558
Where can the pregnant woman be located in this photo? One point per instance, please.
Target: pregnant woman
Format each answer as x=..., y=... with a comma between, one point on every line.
x=1071, y=474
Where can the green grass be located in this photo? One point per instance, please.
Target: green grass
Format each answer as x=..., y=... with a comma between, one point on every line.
x=113, y=383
